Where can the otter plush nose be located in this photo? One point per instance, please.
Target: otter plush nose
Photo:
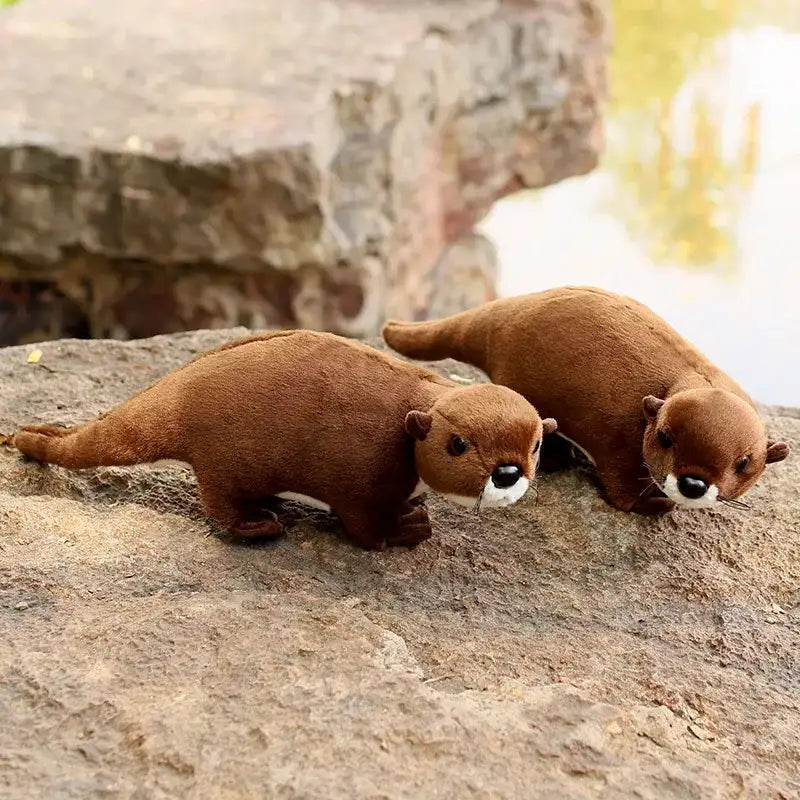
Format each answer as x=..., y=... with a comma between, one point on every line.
x=506, y=475
x=692, y=487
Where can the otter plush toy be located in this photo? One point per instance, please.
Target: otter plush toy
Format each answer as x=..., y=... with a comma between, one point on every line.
x=321, y=419
x=662, y=424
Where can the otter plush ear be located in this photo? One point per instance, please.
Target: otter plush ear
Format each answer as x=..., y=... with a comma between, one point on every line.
x=776, y=451
x=549, y=425
x=418, y=424
x=652, y=405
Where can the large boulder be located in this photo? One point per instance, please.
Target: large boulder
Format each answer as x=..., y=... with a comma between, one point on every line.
x=555, y=649
x=167, y=164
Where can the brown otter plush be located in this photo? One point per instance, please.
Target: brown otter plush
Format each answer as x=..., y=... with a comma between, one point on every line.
x=662, y=424
x=321, y=419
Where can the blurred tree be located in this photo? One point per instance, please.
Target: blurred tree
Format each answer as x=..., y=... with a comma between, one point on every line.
x=680, y=201
x=657, y=44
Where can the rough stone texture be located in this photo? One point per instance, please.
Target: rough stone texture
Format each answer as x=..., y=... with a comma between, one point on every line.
x=173, y=164
x=556, y=649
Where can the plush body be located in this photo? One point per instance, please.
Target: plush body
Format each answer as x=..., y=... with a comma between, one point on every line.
x=319, y=418
x=662, y=424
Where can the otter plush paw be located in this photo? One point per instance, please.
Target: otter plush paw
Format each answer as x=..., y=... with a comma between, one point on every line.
x=267, y=528
x=653, y=506
x=412, y=527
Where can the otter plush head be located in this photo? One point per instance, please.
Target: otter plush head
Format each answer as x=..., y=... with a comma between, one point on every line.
x=479, y=444
x=706, y=445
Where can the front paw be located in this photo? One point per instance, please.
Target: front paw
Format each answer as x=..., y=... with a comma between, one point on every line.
x=266, y=528
x=652, y=506
x=411, y=528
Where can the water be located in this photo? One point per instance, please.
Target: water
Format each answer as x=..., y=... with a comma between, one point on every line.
x=695, y=208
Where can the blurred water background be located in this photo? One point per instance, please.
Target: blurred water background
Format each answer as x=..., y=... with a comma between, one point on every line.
x=695, y=208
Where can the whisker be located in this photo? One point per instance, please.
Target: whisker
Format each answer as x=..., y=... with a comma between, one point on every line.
x=649, y=474
x=652, y=483
x=739, y=505
x=730, y=505
x=476, y=509
x=736, y=502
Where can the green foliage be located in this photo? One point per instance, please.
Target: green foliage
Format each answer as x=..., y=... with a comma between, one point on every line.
x=658, y=42
x=8, y=2
x=680, y=204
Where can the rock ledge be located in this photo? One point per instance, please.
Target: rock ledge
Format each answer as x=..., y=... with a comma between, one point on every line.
x=559, y=644
x=167, y=166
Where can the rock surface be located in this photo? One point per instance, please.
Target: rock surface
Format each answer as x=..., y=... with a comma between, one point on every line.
x=167, y=164
x=556, y=649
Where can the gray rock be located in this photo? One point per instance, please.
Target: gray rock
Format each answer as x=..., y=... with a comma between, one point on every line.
x=168, y=166
x=555, y=649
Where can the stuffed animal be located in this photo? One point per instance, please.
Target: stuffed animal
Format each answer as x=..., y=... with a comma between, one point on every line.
x=321, y=419
x=661, y=423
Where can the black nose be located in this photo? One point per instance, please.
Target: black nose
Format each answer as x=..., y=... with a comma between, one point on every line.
x=506, y=475
x=692, y=487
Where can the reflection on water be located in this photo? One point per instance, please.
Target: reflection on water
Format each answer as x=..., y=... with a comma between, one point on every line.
x=695, y=208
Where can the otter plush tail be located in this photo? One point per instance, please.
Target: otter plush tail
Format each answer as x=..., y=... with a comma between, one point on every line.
x=462, y=336
x=134, y=433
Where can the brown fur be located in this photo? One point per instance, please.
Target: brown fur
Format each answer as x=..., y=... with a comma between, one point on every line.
x=314, y=414
x=604, y=364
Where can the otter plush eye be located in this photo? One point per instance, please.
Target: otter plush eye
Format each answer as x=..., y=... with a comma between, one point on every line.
x=457, y=446
x=537, y=446
x=665, y=440
x=741, y=464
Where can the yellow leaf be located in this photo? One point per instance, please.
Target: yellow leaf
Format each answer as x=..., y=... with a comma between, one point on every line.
x=34, y=357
